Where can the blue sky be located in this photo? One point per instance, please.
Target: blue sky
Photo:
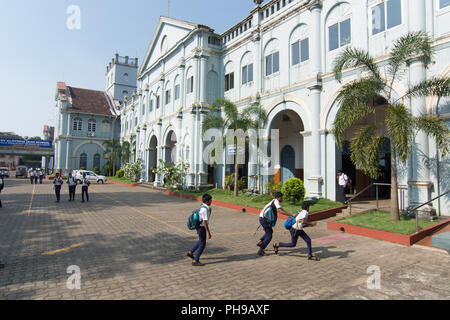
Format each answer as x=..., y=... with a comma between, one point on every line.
x=38, y=49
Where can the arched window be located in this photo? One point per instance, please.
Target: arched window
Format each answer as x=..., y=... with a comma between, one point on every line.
x=105, y=125
x=83, y=161
x=92, y=125
x=77, y=124
x=96, y=162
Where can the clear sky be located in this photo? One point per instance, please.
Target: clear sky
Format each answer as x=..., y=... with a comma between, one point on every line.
x=38, y=49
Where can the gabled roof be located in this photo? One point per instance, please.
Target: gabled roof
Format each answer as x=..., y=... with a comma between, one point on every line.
x=89, y=101
x=188, y=26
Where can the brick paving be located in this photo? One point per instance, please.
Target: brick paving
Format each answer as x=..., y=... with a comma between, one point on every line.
x=130, y=243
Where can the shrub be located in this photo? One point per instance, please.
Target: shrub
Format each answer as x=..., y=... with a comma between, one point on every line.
x=293, y=190
x=96, y=170
x=273, y=187
x=120, y=173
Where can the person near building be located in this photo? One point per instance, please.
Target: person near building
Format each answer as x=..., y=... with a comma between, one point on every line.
x=84, y=188
x=72, y=187
x=58, y=181
x=342, y=181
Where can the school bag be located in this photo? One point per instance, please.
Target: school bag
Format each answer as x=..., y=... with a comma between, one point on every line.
x=193, y=221
x=290, y=221
x=271, y=215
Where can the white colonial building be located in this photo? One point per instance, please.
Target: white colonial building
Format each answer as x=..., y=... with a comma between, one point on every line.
x=281, y=54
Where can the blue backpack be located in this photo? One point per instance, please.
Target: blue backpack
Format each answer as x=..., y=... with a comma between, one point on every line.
x=290, y=221
x=271, y=216
x=193, y=221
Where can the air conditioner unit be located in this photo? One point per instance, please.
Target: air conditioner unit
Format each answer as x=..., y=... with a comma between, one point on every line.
x=91, y=134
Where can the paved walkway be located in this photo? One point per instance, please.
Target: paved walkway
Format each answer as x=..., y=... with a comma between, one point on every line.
x=130, y=243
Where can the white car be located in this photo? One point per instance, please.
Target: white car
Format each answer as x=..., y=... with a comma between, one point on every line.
x=91, y=176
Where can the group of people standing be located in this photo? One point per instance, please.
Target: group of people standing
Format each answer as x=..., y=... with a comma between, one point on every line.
x=34, y=175
x=203, y=230
x=72, y=183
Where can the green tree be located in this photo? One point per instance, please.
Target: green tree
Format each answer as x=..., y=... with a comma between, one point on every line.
x=356, y=104
x=124, y=152
x=225, y=115
x=111, y=150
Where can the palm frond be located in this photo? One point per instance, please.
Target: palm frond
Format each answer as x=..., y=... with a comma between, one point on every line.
x=436, y=86
x=435, y=127
x=365, y=148
x=400, y=130
x=353, y=58
x=412, y=45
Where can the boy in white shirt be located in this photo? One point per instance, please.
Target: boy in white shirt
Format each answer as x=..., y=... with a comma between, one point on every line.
x=268, y=231
x=72, y=186
x=297, y=230
x=58, y=181
x=202, y=231
x=342, y=181
x=84, y=188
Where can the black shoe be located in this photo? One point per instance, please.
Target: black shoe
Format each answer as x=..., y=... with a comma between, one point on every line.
x=190, y=255
x=198, y=264
x=82, y=201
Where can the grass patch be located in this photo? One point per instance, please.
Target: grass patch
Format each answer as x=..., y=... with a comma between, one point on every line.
x=381, y=220
x=260, y=201
x=123, y=179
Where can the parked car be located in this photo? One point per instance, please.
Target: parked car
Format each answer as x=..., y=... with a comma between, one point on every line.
x=91, y=176
x=4, y=171
x=21, y=171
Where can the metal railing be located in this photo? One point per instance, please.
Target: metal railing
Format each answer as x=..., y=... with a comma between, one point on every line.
x=421, y=205
x=376, y=184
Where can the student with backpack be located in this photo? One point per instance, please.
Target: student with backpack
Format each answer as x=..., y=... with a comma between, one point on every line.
x=296, y=230
x=201, y=224
x=268, y=219
x=84, y=188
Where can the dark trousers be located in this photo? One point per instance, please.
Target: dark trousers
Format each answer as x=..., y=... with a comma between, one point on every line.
x=72, y=192
x=268, y=231
x=84, y=190
x=58, y=192
x=35, y=179
x=31, y=180
x=201, y=244
x=342, y=189
x=294, y=238
x=40, y=179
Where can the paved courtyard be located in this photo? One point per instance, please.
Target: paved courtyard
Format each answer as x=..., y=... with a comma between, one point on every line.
x=131, y=243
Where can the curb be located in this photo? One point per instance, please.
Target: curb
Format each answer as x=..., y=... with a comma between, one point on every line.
x=407, y=240
x=124, y=183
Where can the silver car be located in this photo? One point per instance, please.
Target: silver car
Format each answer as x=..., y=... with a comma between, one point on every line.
x=91, y=176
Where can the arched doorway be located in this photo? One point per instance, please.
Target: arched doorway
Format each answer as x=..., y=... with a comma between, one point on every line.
x=291, y=163
x=361, y=180
x=171, y=148
x=287, y=159
x=153, y=158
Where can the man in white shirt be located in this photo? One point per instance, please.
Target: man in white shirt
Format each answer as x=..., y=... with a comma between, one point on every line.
x=41, y=175
x=72, y=186
x=31, y=175
x=202, y=231
x=58, y=181
x=297, y=231
x=84, y=188
x=342, y=181
x=275, y=204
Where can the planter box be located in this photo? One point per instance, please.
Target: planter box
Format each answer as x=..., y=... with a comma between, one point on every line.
x=124, y=183
x=315, y=216
x=399, y=238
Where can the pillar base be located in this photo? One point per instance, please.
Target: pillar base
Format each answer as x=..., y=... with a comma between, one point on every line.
x=315, y=187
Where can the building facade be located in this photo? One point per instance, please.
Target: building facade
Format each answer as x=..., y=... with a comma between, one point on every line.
x=86, y=118
x=281, y=55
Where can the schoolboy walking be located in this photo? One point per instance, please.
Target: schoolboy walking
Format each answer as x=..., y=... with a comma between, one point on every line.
x=72, y=187
x=275, y=205
x=41, y=175
x=342, y=181
x=35, y=173
x=297, y=231
x=84, y=188
x=58, y=181
x=202, y=231
x=31, y=175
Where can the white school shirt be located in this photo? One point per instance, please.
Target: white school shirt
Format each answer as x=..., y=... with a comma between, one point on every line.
x=302, y=215
x=204, y=214
x=343, y=179
x=58, y=181
x=275, y=202
x=84, y=182
x=71, y=181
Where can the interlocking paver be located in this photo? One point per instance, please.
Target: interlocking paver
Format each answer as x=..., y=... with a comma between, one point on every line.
x=130, y=243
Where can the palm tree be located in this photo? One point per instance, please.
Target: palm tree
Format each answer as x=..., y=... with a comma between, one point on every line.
x=111, y=149
x=124, y=152
x=401, y=126
x=232, y=119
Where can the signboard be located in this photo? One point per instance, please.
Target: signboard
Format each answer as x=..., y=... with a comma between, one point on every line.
x=231, y=150
x=10, y=142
